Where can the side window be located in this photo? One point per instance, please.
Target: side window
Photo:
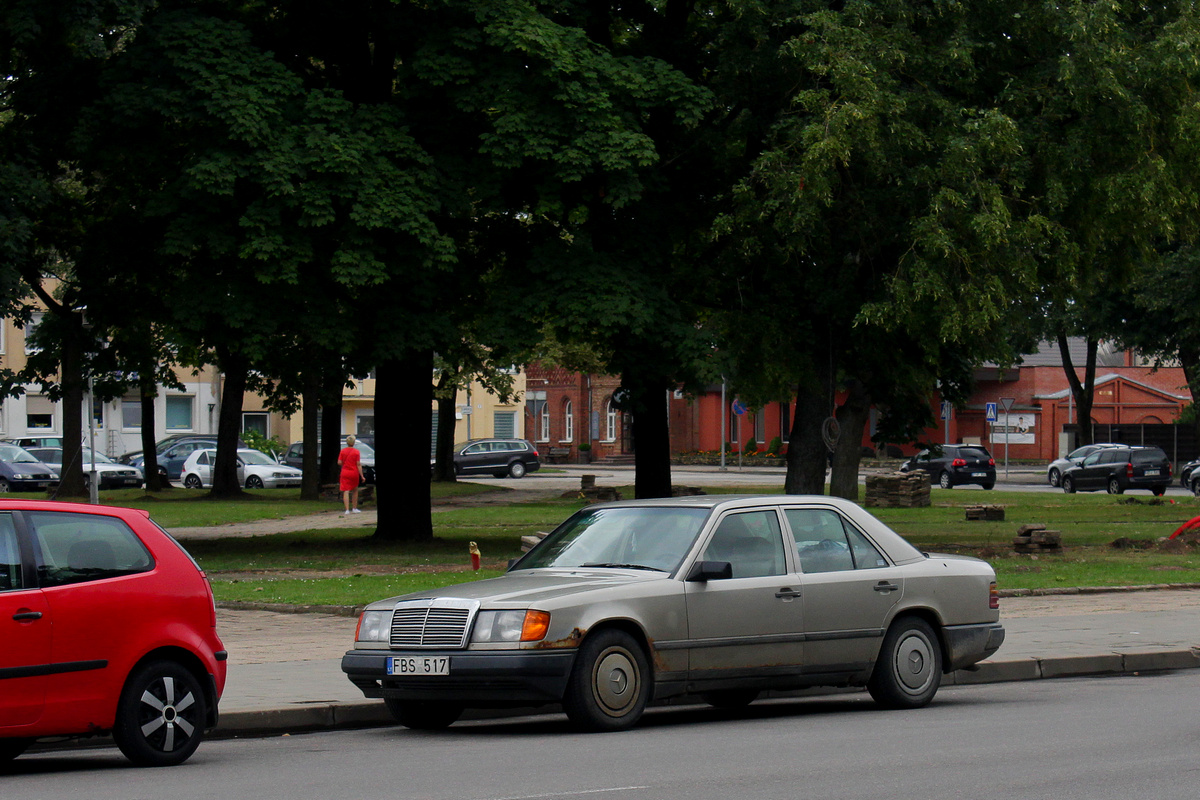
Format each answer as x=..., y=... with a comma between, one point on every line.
x=820, y=539
x=202, y=459
x=295, y=451
x=10, y=555
x=85, y=547
x=751, y=542
x=865, y=554
x=475, y=449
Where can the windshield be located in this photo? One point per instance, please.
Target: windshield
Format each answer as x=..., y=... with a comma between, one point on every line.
x=631, y=538
x=16, y=455
x=365, y=449
x=256, y=457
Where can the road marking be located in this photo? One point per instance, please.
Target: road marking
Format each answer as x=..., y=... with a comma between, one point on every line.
x=569, y=794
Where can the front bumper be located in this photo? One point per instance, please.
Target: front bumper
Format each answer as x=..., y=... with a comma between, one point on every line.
x=968, y=644
x=491, y=679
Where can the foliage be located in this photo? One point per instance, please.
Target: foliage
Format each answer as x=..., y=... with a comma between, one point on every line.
x=272, y=446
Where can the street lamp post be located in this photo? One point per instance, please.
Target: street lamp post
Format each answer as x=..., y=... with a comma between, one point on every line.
x=93, y=484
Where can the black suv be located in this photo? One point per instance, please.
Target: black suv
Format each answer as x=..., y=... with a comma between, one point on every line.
x=500, y=457
x=1120, y=468
x=955, y=465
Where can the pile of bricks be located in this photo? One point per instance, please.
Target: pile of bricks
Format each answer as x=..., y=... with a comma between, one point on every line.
x=988, y=513
x=898, y=490
x=1036, y=539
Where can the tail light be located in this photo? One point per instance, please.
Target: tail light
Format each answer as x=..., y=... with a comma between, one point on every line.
x=958, y=462
x=1129, y=470
x=1168, y=469
x=993, y=596
x=991, y=462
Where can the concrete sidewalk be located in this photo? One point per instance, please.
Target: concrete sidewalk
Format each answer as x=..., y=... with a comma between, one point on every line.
x=285, y=675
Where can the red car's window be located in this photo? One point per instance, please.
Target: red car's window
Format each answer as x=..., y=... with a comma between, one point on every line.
x=74, y=548
x=10, y=555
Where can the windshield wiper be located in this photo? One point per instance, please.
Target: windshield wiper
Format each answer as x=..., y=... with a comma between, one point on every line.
x=622, y=566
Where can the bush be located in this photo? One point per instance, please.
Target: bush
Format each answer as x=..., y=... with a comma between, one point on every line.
x=751, y=445
x=272, y=446
x=776, y=446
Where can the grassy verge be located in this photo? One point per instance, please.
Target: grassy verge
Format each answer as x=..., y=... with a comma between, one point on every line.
x=298, y=567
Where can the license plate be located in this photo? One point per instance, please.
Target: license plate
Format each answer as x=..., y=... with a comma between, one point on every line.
x=978, y=474
x=418, y=665
x=1151, y=472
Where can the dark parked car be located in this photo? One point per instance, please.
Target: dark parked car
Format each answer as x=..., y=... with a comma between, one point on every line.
x=1185, y=474
x=1119, y=469
x=499, y=457
x=1074, y=458
x=20, y=470
x=955, y=465
x=108, y=626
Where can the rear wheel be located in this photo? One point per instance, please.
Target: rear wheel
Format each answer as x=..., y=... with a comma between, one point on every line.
x=161, y=715
x=908, y=671
x=1054, y=477
x=423, y=715
x=1196, y=487
x=192, y=481
x=1068, y=484
x=4, y=486
x=944, y=480
x=989, y=486
x=610, y=683
x=1114, y=486
x=516, y=469
x=1159, y=491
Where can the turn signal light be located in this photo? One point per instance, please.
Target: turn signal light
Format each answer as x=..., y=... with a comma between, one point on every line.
x=535, y=626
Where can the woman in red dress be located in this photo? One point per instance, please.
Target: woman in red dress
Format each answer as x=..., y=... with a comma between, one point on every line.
x=350, y=460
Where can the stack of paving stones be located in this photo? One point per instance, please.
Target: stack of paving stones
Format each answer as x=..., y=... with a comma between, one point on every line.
x=1036, y=539
x=988, y=513
x=898, y=490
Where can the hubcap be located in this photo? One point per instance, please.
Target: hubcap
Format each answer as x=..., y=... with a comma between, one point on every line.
x=616, y=682
x=914, y=663
x=162, y=721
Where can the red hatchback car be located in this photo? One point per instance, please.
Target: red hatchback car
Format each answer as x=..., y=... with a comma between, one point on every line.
x=107, y=625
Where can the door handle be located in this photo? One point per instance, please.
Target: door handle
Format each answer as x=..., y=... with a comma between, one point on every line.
x=27, y=615
x=787, y=594
x=884, y=586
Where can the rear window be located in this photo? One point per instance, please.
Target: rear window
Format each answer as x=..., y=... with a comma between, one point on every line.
x=1151, y=455
x=973, y=452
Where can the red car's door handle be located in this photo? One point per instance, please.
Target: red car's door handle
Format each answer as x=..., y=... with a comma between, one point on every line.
x=25, y=615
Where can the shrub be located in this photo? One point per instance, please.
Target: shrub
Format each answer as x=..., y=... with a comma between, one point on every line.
x=751, y=445
x=776, y=446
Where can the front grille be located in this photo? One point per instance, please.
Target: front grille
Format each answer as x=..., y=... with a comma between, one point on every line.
x=441, y=622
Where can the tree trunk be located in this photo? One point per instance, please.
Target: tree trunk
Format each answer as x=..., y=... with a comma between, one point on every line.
x=443, y=468
x=155, y=482
x=331, y=435
x=852, y=418
x=71, y=480
x=310, y=483
x=807, y=454
x=1084, y=393
x=229, y=427
x=402, y=400
x=651, y=439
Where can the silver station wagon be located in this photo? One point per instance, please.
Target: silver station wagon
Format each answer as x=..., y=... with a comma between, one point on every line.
x=718, y=596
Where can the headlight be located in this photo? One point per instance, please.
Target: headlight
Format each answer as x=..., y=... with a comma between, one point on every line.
x=510, y=626
x=374, y=626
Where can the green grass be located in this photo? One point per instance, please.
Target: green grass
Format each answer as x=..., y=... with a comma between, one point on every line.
x=354, y=590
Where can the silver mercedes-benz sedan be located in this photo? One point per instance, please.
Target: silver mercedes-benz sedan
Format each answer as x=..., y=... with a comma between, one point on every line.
x=718, y=596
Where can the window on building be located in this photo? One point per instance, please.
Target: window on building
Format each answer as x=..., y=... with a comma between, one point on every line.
x=785, y=421
x=760, y=426
x=568, y=421
x=255, y=421
x=39, y=412
x=504, y=424
x=364, y=423
x=3, y=329
x=131, y=412
x=610, y=421
x=179, y=412
x=544, y=423
x=30, y=327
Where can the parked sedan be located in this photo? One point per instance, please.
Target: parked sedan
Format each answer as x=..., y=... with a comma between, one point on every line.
x=1118, y=469
x=497, y=457
x=953, y=465
x=256, y=470
x=109, y=474
x=20, y=470
x=109, y=627
x=721, y=596
x=294, y=457
x=1072, y=459
x=1185, y=473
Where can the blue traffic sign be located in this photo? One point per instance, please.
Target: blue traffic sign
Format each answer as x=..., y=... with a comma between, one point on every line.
x=992, y=413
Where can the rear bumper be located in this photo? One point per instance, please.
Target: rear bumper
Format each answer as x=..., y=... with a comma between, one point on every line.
x=968, y=644
x=495, y=679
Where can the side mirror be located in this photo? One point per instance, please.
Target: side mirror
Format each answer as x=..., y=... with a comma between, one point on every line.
x=710, y=571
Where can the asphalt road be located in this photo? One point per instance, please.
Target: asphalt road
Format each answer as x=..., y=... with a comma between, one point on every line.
x=1064, y=739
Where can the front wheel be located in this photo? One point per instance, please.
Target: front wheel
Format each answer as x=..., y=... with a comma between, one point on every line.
x=516, y=470
x=944, y=480
x=610, y=683
x=1196, y=487
x=423, y=715
x=254, y=482
x=1114, y=486
x=4, y=486
x=192, y=481
x=908, y=671
x=161, y=715
x=1054, y=477
x=1068, y=484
